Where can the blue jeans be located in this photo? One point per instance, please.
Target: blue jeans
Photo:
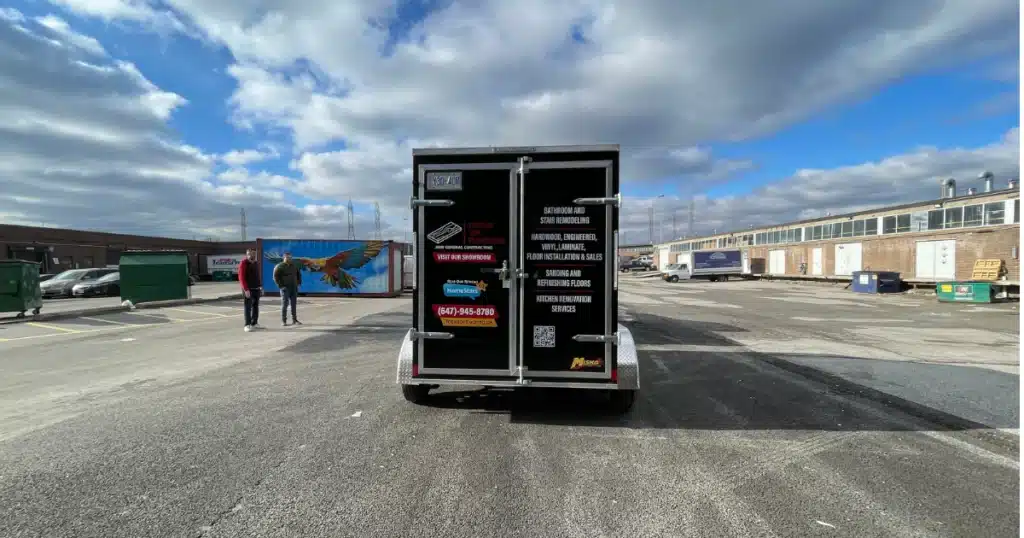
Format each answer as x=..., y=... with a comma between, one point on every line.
x=289, y=296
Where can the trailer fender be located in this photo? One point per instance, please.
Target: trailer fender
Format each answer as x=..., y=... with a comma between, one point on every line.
x=404, y=374
x=628, y=366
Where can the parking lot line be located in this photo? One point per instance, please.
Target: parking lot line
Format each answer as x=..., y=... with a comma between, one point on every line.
x=200, y=312
x=51, y=327
x=168, y=318
x=110, y=321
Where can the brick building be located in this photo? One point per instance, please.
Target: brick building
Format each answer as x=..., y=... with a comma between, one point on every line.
x=59, y=249
x=924, y=241
x=632, y=251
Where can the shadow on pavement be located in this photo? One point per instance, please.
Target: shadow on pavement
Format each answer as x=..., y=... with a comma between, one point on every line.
x=383, y=327
x=745, y=390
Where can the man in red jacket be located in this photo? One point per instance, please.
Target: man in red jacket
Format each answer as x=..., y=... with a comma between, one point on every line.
x=252, y=287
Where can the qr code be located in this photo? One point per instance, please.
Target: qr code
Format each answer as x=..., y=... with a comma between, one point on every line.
x=543, y=336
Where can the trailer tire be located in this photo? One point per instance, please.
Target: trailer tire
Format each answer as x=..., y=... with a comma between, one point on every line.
x=621, y=401
x=416, y=394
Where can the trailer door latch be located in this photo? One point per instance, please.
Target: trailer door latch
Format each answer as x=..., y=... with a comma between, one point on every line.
x=416, y=335
x=417, y=202
x=610, y=200
x=597, y=338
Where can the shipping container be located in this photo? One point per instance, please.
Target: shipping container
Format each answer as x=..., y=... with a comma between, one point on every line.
x=516, y=272
x=335, y=267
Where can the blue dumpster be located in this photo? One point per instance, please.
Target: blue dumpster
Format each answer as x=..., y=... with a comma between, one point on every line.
x=876, y=282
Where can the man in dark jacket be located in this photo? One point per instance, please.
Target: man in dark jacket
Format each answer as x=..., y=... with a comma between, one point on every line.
x=288, y=278
x=252, y=287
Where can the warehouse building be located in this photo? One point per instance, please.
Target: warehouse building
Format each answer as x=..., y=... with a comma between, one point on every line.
x=925, y=241
x=57, y=249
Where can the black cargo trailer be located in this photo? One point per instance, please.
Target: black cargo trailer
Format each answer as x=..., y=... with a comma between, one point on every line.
x=517, y=281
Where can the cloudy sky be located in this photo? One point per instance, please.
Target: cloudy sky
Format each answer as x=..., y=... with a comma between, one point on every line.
x=168, y=117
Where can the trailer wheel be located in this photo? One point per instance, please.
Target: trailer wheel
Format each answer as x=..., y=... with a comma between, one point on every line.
x=621, y=401
x=416, y=394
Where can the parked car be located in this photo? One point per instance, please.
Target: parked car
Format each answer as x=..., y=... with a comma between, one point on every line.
x=635, y=265
x=46, y=276
x=104, y=286
x=61, y=285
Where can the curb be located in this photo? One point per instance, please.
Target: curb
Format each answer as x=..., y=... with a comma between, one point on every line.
x=115, y=309
x=941, y=419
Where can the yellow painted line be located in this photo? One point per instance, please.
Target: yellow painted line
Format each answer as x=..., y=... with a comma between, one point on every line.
x=199, y=312
x=179, y=320
x=139, y=326
x=51, y=327
x=110, y=321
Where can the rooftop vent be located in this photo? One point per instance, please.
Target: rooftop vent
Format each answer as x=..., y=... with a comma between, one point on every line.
x=948, y=188
x=987, y=178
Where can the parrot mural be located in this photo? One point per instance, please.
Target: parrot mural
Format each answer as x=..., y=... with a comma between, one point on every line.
x=334, y=268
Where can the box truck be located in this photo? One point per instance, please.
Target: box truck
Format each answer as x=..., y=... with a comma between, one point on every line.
x=711, y=265
x=516, y=273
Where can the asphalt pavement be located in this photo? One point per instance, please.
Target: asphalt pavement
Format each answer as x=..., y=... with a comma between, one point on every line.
x=180, y=424
x=201, y=290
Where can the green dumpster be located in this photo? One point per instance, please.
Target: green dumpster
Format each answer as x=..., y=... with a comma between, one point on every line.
x=154, y=275
x=19, y=287
x=969, y=291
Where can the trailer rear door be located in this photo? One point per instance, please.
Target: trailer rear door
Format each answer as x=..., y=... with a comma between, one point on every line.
x=568, y=261
x=466, y=292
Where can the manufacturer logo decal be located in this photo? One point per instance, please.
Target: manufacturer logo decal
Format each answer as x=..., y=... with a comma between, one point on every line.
x=444, y=233
x=469, y=290
x=444, y=181
x=580, y=363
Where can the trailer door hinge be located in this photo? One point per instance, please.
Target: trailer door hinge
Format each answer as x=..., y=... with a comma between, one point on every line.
x=416, y=202
x=600, y=338
x=610, y=200
x=416, y=335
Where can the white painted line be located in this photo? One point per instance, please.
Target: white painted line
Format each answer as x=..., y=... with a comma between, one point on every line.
x=127, y=339
x=201, y=313
x=852, y=320
x=687, y=347
x=357, y=414
x=52, y=327
x=156, y=316
x=661, y=366
x=110, y=321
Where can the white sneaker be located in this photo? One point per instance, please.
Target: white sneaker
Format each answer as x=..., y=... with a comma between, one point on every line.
x=256, y=326
x=248, y=328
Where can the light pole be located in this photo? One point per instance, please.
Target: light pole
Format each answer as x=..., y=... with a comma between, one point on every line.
x=654, y=218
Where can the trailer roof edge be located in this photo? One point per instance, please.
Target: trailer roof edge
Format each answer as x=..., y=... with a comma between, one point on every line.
x=515, y=149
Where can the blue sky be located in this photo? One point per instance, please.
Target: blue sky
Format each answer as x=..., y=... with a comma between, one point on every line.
x=866, y=114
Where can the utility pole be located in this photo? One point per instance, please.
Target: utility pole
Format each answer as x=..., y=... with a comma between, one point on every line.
x=376, y=221
x=650, y=217
x=689, y=224
x=244, y=225
x=351, y=221
x=674, y=236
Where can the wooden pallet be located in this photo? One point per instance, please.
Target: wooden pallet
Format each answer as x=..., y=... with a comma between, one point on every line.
x=988, y=269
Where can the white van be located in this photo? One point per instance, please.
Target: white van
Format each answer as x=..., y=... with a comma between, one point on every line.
x=676, y=272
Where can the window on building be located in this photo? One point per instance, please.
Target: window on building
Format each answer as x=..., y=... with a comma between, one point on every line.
x=837, y=230
x=889, y=225
x=847, y=229
x=817, y=233
x=858, y=228
x=871, y=226
x=799, y=234
x=935, y=219
x=972, y=215
x=995, y=213
x=954, y=217
x=903, y=223
x=1016, y=210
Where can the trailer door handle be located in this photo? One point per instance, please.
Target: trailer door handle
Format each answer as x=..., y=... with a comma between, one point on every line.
x=502, y=272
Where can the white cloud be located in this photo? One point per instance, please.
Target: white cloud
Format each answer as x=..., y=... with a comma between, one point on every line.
x=59, y=27
x=86, y=145
x=667, y=79
x=809, y=194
